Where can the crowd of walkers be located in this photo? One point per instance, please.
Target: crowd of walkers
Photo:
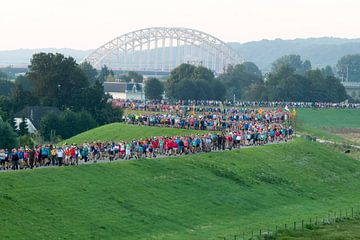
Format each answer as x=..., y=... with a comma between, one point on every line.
x=172, y=106
x=223, y=128
x=210, y=118
x=67, y=155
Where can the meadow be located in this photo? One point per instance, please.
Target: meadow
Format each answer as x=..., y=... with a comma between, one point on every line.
x=348, y=229
x=339, y=125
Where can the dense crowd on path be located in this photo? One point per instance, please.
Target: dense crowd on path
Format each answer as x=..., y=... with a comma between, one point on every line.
x=171, y=106
x=73, y=154
x=223, y=129
x=210, y=118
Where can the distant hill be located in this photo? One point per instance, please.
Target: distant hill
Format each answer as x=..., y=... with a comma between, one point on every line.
x=320, y=51
x=21, y=57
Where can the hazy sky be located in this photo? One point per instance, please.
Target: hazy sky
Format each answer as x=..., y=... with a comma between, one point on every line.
x=87, y=24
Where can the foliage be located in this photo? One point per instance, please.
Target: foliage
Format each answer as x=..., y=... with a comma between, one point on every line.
x=95, y=101
x=164, y=198
x=24, y=82
x=7, y=108
x=349, y=67
x=3, y=76
x=154, y=89
x=57, y=80
x=237, y=79
x=21, y=98
x=7, y=135
x=104, y=74
x=66, y=124
x=193, y=82
x=294, y=62
x=6, y=87
x=131, y=75
x=26, y=140
x=327, y=71
x=284, y=84
x=23, y=128
x=90, y=72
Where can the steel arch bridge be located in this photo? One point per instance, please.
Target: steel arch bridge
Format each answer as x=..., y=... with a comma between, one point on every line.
x=162, y=49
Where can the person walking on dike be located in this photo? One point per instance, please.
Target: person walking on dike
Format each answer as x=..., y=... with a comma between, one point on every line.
x=2, y=159
x=31, y=156
x=15, y=159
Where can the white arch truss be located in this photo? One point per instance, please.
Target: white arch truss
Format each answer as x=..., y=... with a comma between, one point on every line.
x=162, y=49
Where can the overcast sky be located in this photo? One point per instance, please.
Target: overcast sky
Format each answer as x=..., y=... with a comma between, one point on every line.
x=87, y=24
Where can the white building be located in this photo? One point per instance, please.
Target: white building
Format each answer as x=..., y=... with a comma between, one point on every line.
x=126, y=91
x=33, y=116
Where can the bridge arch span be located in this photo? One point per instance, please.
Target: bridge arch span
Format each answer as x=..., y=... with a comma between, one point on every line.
x=162, y=49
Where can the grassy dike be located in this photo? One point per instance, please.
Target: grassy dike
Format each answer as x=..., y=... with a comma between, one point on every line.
x=121, y=131
x=192, y=197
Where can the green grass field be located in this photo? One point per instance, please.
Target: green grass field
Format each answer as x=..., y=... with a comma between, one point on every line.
x=332, y=124
x=120, y=131
x=192, y=197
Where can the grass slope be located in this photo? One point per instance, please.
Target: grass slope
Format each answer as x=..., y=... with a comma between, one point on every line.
x=323, y=123
x=120, y=131
x=191, y=197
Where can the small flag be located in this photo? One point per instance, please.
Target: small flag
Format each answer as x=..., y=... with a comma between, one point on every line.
x=287, y=108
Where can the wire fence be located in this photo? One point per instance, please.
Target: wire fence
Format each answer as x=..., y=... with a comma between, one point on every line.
x=312, y=223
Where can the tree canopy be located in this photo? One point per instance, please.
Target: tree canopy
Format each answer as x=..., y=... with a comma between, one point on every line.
x=293, y=61
x=349, y=68
x=154, y=89
x=284, y=84
x=7, y=136
x=237, y=79
x=131, y=75
x=194, y=82
x=57, y=80
x=90, y=72
x=66, y=124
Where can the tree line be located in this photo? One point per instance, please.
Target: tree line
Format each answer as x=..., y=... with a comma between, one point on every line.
x=290, y=79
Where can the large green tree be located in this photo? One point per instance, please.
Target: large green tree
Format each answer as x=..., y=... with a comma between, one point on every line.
x=23, y=128
x=24, y=82
x=7, y=136
x=325, y=88
x=349, y=68
x=284, y=84
x=131, y=75
x=6, y=87
x=96, y=102
x=104, y=74
x=66, y=124
x=293, y=61
x=194, y=82
x=154, y=89
x=237, y=79
x=3, y=76
x=57, y=80
x=90, y=72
